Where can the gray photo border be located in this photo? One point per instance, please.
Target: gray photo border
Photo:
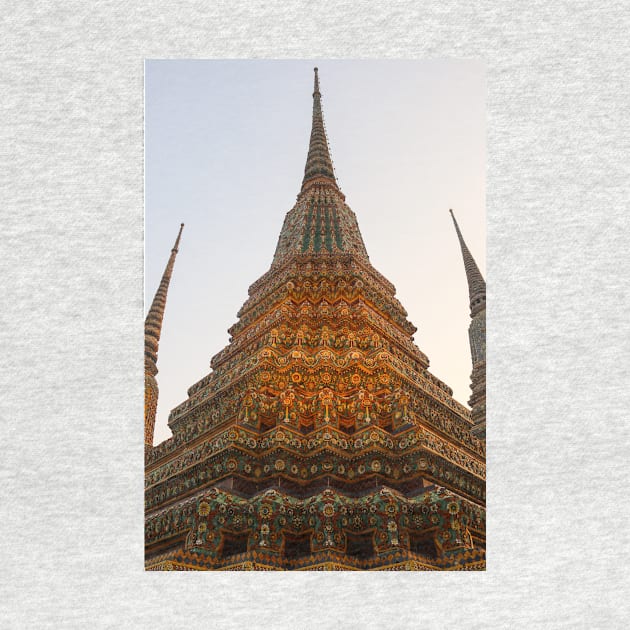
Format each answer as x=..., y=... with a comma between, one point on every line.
x=72, y=265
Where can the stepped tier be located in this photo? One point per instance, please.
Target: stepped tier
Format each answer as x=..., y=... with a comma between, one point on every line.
x=381, y=529
x=408, y=460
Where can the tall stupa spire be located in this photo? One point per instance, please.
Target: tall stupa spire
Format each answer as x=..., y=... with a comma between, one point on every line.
x=319, y=166
x=476, y=335
x=476, y=283
x=152, y=330
x=321, y=223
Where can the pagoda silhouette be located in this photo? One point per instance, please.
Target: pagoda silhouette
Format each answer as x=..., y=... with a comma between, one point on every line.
x=320, y=440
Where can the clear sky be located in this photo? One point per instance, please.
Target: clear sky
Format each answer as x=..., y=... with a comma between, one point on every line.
x=225, y=148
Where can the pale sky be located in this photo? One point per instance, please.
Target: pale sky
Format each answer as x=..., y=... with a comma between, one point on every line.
x=225, y=148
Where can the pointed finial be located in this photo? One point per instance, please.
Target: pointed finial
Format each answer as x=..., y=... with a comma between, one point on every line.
x=476, y=283
x=318, y=163
x=455, y=222
x=176, y=246
x=476, y=336
x=152, y=332
x=459, y=234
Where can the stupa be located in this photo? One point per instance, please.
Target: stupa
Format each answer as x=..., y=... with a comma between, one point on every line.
x=320, y=440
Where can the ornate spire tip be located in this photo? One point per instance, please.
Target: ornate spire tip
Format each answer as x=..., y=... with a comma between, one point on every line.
x=179, y=236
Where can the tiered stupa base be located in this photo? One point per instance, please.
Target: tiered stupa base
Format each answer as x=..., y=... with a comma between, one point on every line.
x=381, y=529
